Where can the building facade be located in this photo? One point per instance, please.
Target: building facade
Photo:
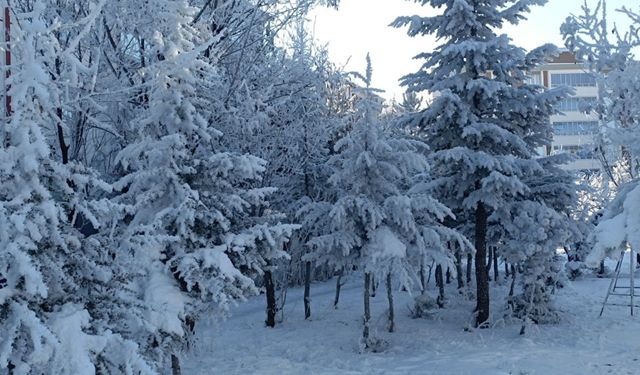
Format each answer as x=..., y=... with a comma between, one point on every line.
x=574, y=129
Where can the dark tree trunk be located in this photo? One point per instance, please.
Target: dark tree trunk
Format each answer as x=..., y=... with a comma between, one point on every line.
x=64, y=148
x=367, y=310
x=338, y=286
x=373, y=286
x=440, y=284
x=506, y=270
x=482, y=278
x=175, y=365
x=448, y=275
x=570, y=254
x=513, y=281
x=469, y=263
x=601, y=271
x=423, y=280
x=390, y=298
x=459, y=270
x=307, y=290
x=271, y=299
x=496, y=271
x=490, y=260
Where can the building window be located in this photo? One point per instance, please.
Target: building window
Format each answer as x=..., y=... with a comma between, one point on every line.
x=575, y=127
x=534, y=78
x=579, y=151
x=573, y=79
x=573, y=104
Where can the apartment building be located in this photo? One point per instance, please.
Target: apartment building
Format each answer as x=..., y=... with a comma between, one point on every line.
x=574, y=129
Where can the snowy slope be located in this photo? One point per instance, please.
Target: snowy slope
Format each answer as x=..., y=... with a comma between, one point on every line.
x=581, y=344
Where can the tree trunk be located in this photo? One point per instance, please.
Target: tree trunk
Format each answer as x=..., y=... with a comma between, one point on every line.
x=527, y=310
x=373, y=286
x=440, y=284
x=448, y=275
x=570, y=254
x=513, y=281
x=482, y=277
x=271, y=299
x=459, y=270
x=430, y=272
x=423, y=281
x=338, y=286
x=390, y=298
x=307, y=290
x=601, y=271
x=64, y=148
x=496, y=271
x=175, y=365
x=469, y=263
x=367, y=310
x=506, y=270
x=490, y=260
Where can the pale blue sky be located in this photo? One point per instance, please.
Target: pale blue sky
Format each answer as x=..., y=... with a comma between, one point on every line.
x=360, y=26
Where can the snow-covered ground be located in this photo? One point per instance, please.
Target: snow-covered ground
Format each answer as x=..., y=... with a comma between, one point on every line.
x=328, y=344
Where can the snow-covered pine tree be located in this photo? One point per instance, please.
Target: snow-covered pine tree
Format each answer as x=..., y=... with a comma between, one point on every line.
x=282, y=114
x=475, y=124
x=200, y=234
x=47, y=275
x=384, y=213
x=532, y=228
x=295, y=140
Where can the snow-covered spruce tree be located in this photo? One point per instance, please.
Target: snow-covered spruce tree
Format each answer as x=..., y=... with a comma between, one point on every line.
x=384, y=211
x=295, y=141
x=532, y=228
x=477, y=124
x=313, y=213
x=536, y=230
x=199, y=233
x=46, y=274
x=281, y=114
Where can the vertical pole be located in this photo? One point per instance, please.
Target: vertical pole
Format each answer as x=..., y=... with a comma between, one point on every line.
x=7, y=58
x=632, y=269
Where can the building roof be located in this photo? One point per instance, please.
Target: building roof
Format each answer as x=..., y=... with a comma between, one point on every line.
x=565, y=57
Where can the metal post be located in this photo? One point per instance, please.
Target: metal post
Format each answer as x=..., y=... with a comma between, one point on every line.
x=613, y=283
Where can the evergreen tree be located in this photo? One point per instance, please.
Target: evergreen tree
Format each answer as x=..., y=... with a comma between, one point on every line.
x=200, y=232
x=47, y=275
x=478, y=124
x=384, y=214
x=532, y=228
